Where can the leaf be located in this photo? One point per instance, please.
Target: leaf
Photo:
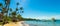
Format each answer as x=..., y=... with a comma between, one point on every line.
x=10, y=9
x=14, y=13
x=22, y=11
x=16, y=9
x=17, y=3
x=21, y=8
x=0, y=4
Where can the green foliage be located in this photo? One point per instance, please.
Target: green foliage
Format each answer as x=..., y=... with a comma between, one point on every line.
x=16, y=9
x=12, y=14
x=19, y=17
x=17, y=3
x=21, y=8
x=0, y=4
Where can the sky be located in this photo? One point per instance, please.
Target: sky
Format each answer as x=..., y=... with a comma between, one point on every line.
x=38, y=9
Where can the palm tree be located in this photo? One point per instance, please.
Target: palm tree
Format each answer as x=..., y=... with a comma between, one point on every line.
x=7, y=3
x=10, y=11
x=19, y=17
x=1, y=15
x=0, y=4
x=14, y=19
x=4, y=10
x=16, y=9
x=21, y=10
x=17, y=4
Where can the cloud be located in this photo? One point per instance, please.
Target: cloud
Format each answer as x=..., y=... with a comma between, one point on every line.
x=57, y=17
x=47, y=17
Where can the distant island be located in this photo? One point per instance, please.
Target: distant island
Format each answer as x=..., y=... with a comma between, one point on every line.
x=30, y=19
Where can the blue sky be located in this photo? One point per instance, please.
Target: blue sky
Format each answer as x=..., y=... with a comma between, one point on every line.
x=39, y=9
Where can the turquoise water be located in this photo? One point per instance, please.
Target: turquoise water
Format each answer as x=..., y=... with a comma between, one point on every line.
x=40, y=23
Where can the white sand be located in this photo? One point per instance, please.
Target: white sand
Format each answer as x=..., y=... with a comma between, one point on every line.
x=21, y=23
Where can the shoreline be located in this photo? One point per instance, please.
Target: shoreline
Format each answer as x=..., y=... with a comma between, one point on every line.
x=20, y=23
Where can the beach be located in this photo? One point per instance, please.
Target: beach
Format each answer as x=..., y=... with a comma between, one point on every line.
x=21, y=23
x=32, y=23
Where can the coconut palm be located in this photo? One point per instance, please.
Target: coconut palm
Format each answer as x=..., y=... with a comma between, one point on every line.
x=1, y=14
x=19, y=17
x=17, y=4
x=22, y=11
x=7, y=3
x=0, y=4
x=21, y=8
x=10, y=10
x=16, y=9
x=14, y=13
x=5, y=10
x=14, y=19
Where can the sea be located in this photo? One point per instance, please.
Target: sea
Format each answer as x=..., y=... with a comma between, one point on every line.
x=41, y=23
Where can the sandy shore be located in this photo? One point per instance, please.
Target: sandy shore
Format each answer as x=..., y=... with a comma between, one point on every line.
x=21, y=23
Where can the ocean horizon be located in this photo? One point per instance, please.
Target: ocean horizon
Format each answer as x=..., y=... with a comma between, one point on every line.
x=41, y=23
